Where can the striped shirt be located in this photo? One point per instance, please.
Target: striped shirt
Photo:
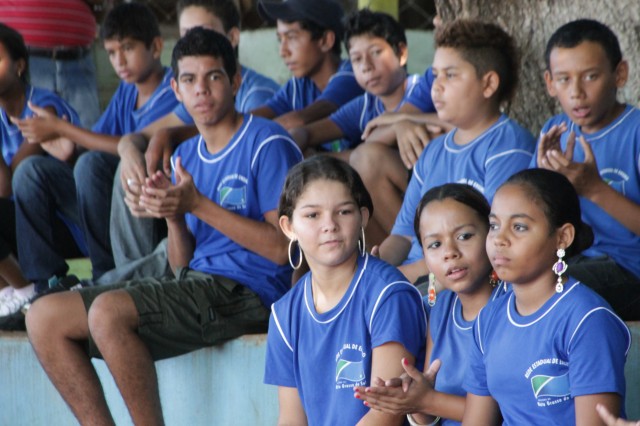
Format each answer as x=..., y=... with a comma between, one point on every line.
x=50, y=23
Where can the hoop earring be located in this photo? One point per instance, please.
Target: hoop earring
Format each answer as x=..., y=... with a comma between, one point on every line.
x=559, y=268
x=362, y=247
x=291, y=257
x=431, y=291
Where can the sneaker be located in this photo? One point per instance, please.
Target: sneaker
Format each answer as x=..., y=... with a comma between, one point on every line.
x=13, y=304
x=56, y=285
x=6, y=293
x=13, y=322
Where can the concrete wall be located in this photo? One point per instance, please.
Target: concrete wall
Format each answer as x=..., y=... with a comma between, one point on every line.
x=214, y=386
x=259, y=50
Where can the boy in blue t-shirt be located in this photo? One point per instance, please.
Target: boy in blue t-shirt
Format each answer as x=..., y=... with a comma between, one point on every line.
x=595, y=143
x=475, y=69
x=378, y=52
x=135, y=239
x=83, y=193
x=309, y=33
x=225, y=248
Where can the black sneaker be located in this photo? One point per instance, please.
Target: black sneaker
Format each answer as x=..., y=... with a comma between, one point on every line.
x=13, y=322
x=57, y=285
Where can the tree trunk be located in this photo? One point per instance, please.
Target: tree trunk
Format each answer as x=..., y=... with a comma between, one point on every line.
x=531, y=22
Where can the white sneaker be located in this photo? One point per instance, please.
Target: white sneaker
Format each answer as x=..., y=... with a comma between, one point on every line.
x=12, y=304
x=6, y=293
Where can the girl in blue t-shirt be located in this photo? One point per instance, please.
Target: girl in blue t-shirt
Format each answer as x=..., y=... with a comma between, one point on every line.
x=351, y=317
x=552, y=349
x=451, y=224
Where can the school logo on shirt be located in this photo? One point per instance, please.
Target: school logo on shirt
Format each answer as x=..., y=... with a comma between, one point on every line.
x=549, y=389
x=615, y=178
x=232, y=192
x=350, y=366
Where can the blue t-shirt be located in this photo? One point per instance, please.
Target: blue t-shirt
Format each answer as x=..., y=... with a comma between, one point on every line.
x=325, y=355
x=122, y=116
x=484, y=163
x=452, y=337
x=534, y=366
x=245, y=177
x=616, y=149
x=421, y=95
x=11, y=137
x=353, y=117
x=299, y=93
x=255, y=90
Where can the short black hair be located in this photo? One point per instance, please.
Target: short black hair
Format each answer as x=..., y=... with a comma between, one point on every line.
x=559, y=201
x=573, y=33
x=14, y=43
x=376, y=24
x=225, y=10
x=487, y=47
x=133, y=20
x=200, y=41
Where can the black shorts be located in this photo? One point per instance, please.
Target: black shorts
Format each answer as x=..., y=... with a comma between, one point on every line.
x=192, y=311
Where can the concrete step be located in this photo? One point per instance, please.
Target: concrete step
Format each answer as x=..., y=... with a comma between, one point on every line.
x=221, y=385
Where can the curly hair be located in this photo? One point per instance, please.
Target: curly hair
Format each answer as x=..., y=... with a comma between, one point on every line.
x=487, y=47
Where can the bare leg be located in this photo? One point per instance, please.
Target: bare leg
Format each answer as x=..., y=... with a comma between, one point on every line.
x=113, y=321
x=385, y=177
x=11, y=274
x=57, y=327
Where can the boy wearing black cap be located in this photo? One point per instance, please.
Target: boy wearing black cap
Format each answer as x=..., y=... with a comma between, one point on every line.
x=309, y=33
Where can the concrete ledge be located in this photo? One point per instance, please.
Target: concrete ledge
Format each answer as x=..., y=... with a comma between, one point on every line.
x=221, y=385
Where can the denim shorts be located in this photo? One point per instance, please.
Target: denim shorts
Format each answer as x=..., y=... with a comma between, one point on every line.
x=192, y=311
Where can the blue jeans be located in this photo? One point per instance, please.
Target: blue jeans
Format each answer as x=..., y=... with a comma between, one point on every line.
x=73, y=80
x=46, y=190
x=615, y=284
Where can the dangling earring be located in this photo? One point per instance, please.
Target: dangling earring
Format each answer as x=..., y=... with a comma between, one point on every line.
x=291, y=257
x=559, y=268
x=494, y=279
x=431, y=291
x=362, y=247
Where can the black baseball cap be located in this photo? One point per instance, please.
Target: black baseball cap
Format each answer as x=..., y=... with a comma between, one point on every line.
x=325, y=13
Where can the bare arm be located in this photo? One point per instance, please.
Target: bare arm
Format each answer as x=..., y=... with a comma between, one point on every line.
x=586, y=414
x=162, y=144
x=314, y=112
x=394, y=249
x=262, y=238
x=480, y=411
x=264, y=111
x=611, y=420
x=386, y=363
x=180, y=244
x=290, y=120
x=316, y=134
x=46, y=126
x=586, y=178
x=414, y=393
x=291, y=410
x=5, y=179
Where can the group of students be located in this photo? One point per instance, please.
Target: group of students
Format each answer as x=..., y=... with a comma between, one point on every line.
x=490, y=222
